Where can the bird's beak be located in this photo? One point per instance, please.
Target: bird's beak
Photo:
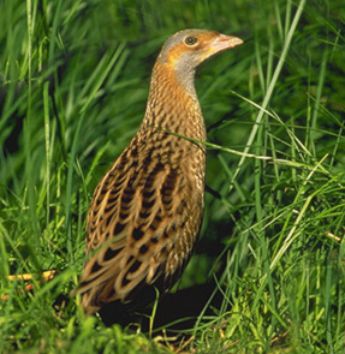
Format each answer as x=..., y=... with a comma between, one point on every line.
x=223, y=42
x=220, y=43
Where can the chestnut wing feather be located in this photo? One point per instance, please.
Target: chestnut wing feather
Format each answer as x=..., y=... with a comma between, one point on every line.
x=141, y=226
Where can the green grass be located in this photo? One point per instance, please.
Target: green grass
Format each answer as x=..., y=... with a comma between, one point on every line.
x=73, y=85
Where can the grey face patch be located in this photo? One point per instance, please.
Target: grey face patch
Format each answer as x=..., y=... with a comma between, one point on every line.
x=185, y=70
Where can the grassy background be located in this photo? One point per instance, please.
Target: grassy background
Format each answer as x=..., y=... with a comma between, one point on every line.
x=73, y=85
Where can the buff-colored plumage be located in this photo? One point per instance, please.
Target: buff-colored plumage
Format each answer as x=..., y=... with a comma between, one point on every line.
x=146, y=211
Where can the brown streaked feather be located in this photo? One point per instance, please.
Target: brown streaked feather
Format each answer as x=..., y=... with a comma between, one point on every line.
x=138, y=217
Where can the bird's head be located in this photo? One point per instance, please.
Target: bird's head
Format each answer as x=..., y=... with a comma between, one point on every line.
x=185, y=50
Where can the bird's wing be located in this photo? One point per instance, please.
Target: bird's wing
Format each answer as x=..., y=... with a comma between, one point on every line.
x=141, y=226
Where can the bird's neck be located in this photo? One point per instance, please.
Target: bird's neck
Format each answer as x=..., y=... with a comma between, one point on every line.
x=173, y=104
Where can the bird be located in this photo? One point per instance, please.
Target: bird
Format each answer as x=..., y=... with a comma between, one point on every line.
x=146, y=212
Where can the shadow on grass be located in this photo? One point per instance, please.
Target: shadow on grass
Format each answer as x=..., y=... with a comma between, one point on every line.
x=175, y=312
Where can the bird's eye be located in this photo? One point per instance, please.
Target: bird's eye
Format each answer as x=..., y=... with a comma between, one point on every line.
x=190, y=40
